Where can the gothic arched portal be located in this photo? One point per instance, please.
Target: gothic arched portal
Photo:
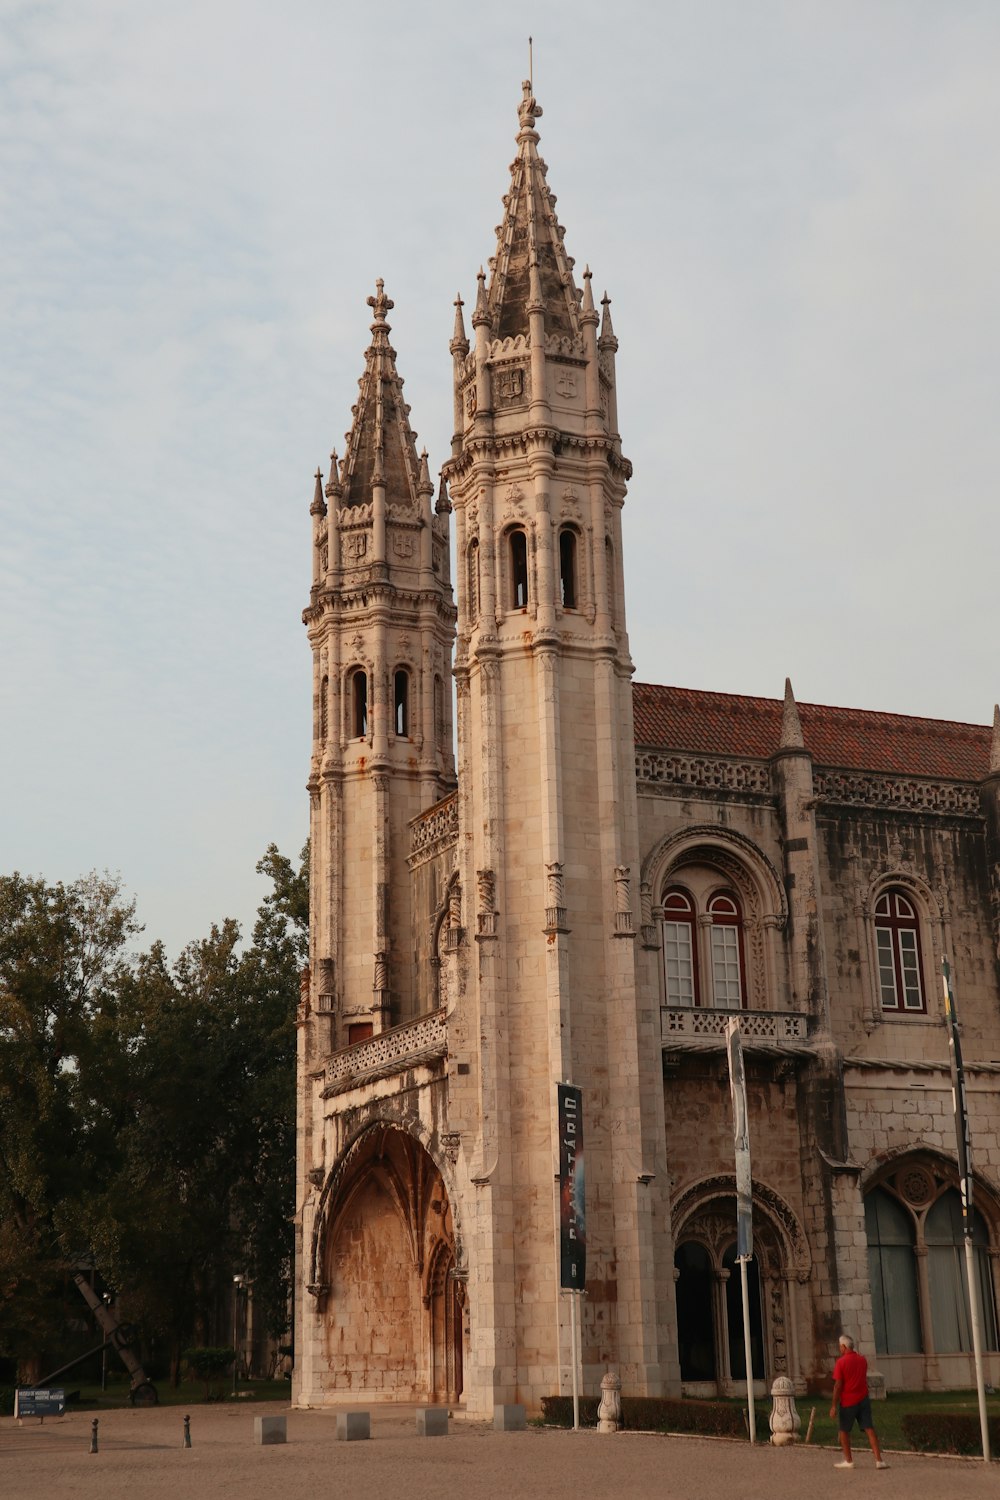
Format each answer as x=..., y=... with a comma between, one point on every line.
x=394, y=1306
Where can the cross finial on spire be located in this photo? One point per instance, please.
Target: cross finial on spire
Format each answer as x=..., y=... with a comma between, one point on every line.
x=529, y=110
x=381, y=304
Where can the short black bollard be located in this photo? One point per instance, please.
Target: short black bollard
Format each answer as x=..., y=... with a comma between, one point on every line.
x=187, y=1432
x=93, y=1436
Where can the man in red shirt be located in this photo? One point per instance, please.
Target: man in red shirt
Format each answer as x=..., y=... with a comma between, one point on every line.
x=850, y=1394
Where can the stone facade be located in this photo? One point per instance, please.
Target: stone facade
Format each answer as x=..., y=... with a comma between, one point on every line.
x=605, y=876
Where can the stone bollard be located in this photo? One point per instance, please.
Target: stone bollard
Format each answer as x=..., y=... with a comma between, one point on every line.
x=609, y=1413
x=876, y=1385
x=187, y=1433
x=432, y=1421
x=268, y=1430
x=353, y=1425
x=93, y=1436
x=509, y=1419
x=785, y=1420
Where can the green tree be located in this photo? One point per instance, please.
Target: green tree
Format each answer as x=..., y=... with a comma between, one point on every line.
x=63, y=950
x=147, y=1110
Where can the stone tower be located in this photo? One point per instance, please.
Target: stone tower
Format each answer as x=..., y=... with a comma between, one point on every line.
x=547, y=837
x=381, y=627
x=472, y=949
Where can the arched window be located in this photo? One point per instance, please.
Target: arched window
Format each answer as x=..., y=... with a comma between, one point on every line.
x=946, y=1275
x=401, y=702
x=897, y=939
x=727, y=952
x=518, y=548
x=359, y=705
x=704, y=956
x=680, y=949
x=892, y=1269
x=567, y=567
x=473, y=579
x=909, y=1248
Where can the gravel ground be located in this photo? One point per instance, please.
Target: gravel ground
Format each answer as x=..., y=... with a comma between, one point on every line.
x=141, y=1456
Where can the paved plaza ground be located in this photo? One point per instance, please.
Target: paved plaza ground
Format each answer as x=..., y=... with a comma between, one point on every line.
x=141, y=1457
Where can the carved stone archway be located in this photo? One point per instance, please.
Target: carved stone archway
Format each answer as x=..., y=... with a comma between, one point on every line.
x=704, y=1214
x=386, y=1282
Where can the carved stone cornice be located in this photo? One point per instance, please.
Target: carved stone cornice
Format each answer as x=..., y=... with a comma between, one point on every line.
x=656, y=769
x=911, y=794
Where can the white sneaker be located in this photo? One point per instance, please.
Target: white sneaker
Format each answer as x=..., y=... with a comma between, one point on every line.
x=846, y=1463
x=881, y=1464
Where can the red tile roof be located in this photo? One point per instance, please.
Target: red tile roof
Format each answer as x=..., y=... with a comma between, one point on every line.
x=856, y=739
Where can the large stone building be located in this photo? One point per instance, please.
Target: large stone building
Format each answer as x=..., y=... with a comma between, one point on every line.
x=607, y=874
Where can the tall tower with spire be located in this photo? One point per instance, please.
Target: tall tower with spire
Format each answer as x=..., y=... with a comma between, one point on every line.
x=548, y=858
x=381, y=626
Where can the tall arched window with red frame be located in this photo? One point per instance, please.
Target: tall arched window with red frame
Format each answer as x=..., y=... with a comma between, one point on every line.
x=728, y=989
x=680, y=948
x=897, y=939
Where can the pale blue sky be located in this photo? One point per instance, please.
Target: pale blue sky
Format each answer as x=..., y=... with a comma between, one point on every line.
x=794, y=207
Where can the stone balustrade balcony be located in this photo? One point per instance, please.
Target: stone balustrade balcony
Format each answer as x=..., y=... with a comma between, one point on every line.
x=389, y=1052
x=697, y=1028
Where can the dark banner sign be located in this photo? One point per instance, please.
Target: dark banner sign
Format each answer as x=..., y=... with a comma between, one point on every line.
x=30, y=1402
x=572, y=1206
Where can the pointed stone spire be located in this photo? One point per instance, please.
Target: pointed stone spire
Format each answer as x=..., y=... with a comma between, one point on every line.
x=607, y=339
x=443, y=506
x=424, y=484
x=318, y=507
x=381, y=447
x=481, y=313
x=995, y=742
x=333, y=483
x=588, y=312
x=530, y=245
x=459, y=342
x=791, y=724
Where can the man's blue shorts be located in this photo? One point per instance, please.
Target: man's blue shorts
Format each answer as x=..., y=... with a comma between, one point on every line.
x=862, y=1414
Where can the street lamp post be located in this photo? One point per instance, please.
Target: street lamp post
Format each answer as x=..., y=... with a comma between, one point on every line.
x=106, y=1299
x=237, y=1288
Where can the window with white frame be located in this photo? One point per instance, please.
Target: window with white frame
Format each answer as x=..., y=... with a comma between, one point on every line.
x=680, y=948
x=727, y=952
x=703, y=935
x=897, y=943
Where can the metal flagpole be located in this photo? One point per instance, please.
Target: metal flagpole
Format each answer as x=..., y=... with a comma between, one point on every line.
x=965, y=1176
x=576, y=1365
x=744, y=1195
x=747, y=1355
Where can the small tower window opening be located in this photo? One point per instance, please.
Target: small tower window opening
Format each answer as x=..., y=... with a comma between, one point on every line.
x=473, y=582
x=359, y=705
x=567, y=568
x=897, y=938
x=401, y=702
x=609, y=572
x=324, y=698
x=518, y=570
x=439, y=712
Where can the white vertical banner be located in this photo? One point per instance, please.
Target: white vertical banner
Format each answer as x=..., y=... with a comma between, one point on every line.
x=741, y=1141
x=744, y=1196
